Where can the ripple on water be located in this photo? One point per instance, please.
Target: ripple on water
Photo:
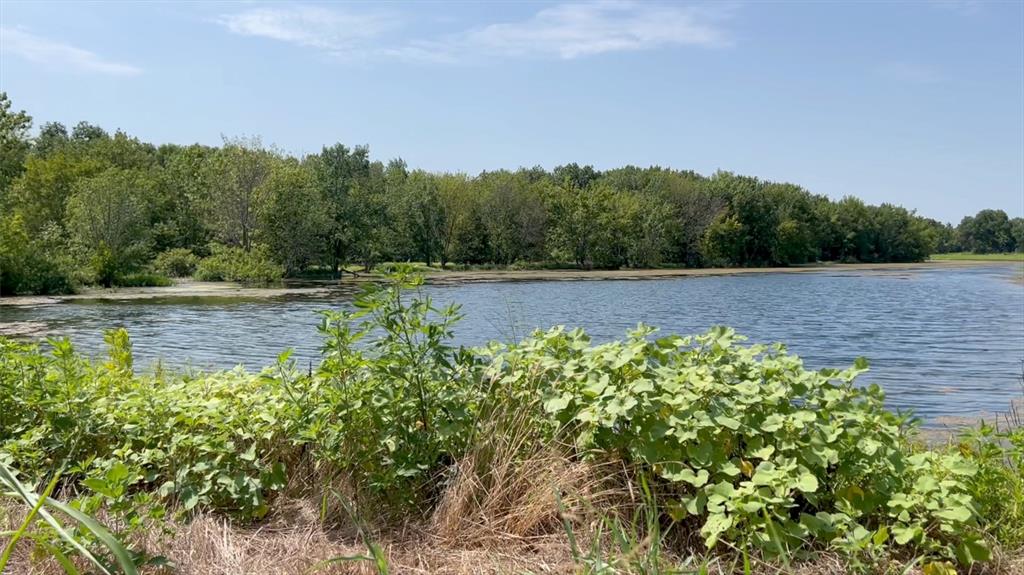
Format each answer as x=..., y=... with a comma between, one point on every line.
x=946, y=343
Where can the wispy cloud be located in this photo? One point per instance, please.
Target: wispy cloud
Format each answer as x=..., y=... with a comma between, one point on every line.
x=910, y=73
x=53, y=53
x=574, y=30
x=565, y=31
x=333, y=30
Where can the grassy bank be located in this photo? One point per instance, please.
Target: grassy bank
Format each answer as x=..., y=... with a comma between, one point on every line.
x=401, y=453
x=968, y=256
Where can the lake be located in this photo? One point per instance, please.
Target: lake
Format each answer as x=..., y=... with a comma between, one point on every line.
x=941, y=341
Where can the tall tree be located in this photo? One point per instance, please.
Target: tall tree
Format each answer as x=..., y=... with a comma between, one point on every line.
x=14, y=143
x=294, y=222
x=108, y=216
x=338, y=170
x=237, y=173
x=989, y=231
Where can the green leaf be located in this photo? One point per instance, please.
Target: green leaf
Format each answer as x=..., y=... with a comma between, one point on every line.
x=973, y=549
x=679, y=472
x=728, y=422
x=903, y=535
x=189, y=498
x=958, y=513
x=807, y=483
x=716, y=524
x=557, y=404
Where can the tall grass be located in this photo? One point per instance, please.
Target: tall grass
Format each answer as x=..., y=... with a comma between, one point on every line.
x=38, y=505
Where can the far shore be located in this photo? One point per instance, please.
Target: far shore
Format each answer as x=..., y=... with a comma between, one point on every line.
x=187, y=288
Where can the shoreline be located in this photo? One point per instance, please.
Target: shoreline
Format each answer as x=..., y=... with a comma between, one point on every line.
x=195, y=289
x=637, y=274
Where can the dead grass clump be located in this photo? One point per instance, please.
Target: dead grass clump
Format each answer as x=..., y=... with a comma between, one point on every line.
x=512, y=486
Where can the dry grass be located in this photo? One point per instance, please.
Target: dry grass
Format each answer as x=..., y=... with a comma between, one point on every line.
x=510, y=488
x=293, y=541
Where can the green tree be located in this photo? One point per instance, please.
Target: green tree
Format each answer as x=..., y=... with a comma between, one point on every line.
x=295, y=220
x=1017, y=227
x=724, y=241
x=514, y=212
x=643, y=224
x=368, y=218
x=14, y=143
x=899, y=235
x=41, y=194
x=236, y=175
x=457, y=205
x=108, y=217
x=418, y=217
x=31, y=263
x=338, y=171
x=989, y=231
x=179, y=215
x=84, y=132
x=53, y=136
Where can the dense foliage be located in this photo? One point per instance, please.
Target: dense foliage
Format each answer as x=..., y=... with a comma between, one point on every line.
x=739, y=445
x=86, y=206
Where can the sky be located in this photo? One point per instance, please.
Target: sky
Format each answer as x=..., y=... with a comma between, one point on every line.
x=918, y=103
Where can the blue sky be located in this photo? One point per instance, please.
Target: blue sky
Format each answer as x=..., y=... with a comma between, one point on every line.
x=920, y=104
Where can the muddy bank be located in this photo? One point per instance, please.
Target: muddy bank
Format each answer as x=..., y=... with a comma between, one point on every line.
x=555, y=275
x=197, y=289
x=182, y=289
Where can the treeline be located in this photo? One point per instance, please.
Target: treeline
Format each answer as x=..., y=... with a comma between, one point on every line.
x=987, y=232
x=83, y=206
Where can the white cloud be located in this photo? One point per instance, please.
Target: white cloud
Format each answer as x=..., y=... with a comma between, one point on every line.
x=566, y=31
x=44, y=51
x=574, y=30
x=327, y=29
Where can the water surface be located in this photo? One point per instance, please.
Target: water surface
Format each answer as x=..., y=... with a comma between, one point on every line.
x=944, y=342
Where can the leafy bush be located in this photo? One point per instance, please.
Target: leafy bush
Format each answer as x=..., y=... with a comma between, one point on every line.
x=235, y=264
x=94, y=417
x=398, y=407
x=31, y=265
x=176, y=263
x=748, y=443
x=998, y=487
x=142, y=280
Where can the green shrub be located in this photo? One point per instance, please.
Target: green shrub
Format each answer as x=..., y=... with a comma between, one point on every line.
x=998, y=487
x=142, y=280
x=31, y=265
x=176, y=263
x=235, y=264
x=222, y=450
x=746, y=442
x=400, y=404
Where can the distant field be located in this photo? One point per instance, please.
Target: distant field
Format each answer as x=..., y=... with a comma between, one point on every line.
x=967, y=256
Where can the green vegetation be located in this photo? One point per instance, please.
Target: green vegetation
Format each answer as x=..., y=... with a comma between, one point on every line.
x=85, y=207
x=176, y=262
x=680, y=445
x=235, y=264
x=971, y=256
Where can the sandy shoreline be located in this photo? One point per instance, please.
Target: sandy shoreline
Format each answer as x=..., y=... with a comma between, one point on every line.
x=196, y=289
x=182, y=289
